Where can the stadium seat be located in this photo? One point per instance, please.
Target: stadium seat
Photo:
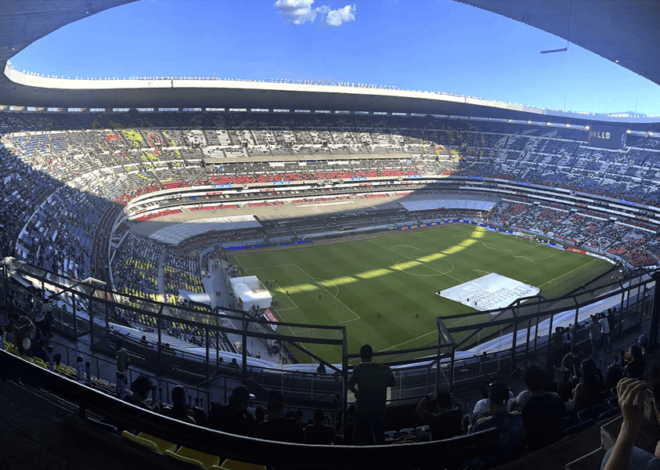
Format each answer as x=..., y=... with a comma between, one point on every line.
x=181, y=458
x=140, y=441
x=207, y=460
x=229, y=464
x=569, y=422
x=591, y=412
x=161, y=445
x=39, y=362
x=579, y=427
x=608, y=414
x=101, y=425
x=613, y=403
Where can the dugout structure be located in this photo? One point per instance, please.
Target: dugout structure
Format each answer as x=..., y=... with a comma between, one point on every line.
x=250, y=292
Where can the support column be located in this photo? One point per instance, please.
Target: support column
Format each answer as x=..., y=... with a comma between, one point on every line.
x=655, y=311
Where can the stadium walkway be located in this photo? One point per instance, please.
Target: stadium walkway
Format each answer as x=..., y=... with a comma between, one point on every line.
x=217, y=281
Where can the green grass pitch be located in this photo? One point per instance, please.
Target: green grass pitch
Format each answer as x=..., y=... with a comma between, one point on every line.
x=349, y=283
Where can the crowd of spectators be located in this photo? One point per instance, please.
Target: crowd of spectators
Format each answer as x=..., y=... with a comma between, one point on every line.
x=182, y=273
x=637, y=244
x=536, y=416
x=560, y=158
x=239, y=415
x=135, y=266
x=61, y=172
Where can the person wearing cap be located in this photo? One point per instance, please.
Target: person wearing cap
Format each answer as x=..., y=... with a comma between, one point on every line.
x=234, y=417
x=595, y=334
x=372, y=381
x=509, y=425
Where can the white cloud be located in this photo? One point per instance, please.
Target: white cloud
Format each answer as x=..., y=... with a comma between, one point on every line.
x=341, y=15
x=301, y=11
x=296, y=11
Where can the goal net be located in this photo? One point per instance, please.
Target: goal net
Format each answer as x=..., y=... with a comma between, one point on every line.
x=526, y=236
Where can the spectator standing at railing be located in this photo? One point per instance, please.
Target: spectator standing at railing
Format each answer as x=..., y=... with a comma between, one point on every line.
x=42, y=319
x=372, y=381
x=558, y=345
x=567, y=340
x=595, y=335
x=605, y=330
x=123, y=362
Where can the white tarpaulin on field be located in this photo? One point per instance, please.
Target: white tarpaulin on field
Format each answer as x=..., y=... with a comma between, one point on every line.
x=492, y=291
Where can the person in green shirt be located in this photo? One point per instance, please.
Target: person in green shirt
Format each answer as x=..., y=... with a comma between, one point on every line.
x=122, y=358
x=372, y=381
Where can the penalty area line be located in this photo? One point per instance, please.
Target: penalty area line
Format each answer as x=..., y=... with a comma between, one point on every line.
x=409, y=341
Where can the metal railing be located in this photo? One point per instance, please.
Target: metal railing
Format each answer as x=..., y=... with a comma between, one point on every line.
x=477, y=344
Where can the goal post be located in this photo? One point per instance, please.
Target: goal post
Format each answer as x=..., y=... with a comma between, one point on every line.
x=525, y=236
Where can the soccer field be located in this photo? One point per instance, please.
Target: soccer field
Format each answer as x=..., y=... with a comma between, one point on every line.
x=376, y=286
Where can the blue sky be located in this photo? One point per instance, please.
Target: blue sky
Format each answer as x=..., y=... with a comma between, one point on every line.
x=435, y=45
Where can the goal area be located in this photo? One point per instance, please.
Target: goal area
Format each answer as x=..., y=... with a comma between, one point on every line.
x=525, y=236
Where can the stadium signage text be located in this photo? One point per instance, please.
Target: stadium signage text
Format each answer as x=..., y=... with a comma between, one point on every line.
x=600, y=135
x=607, y=138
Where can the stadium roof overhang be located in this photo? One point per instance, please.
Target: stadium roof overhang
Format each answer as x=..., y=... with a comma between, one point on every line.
x=625, y=32
x=25, y=22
